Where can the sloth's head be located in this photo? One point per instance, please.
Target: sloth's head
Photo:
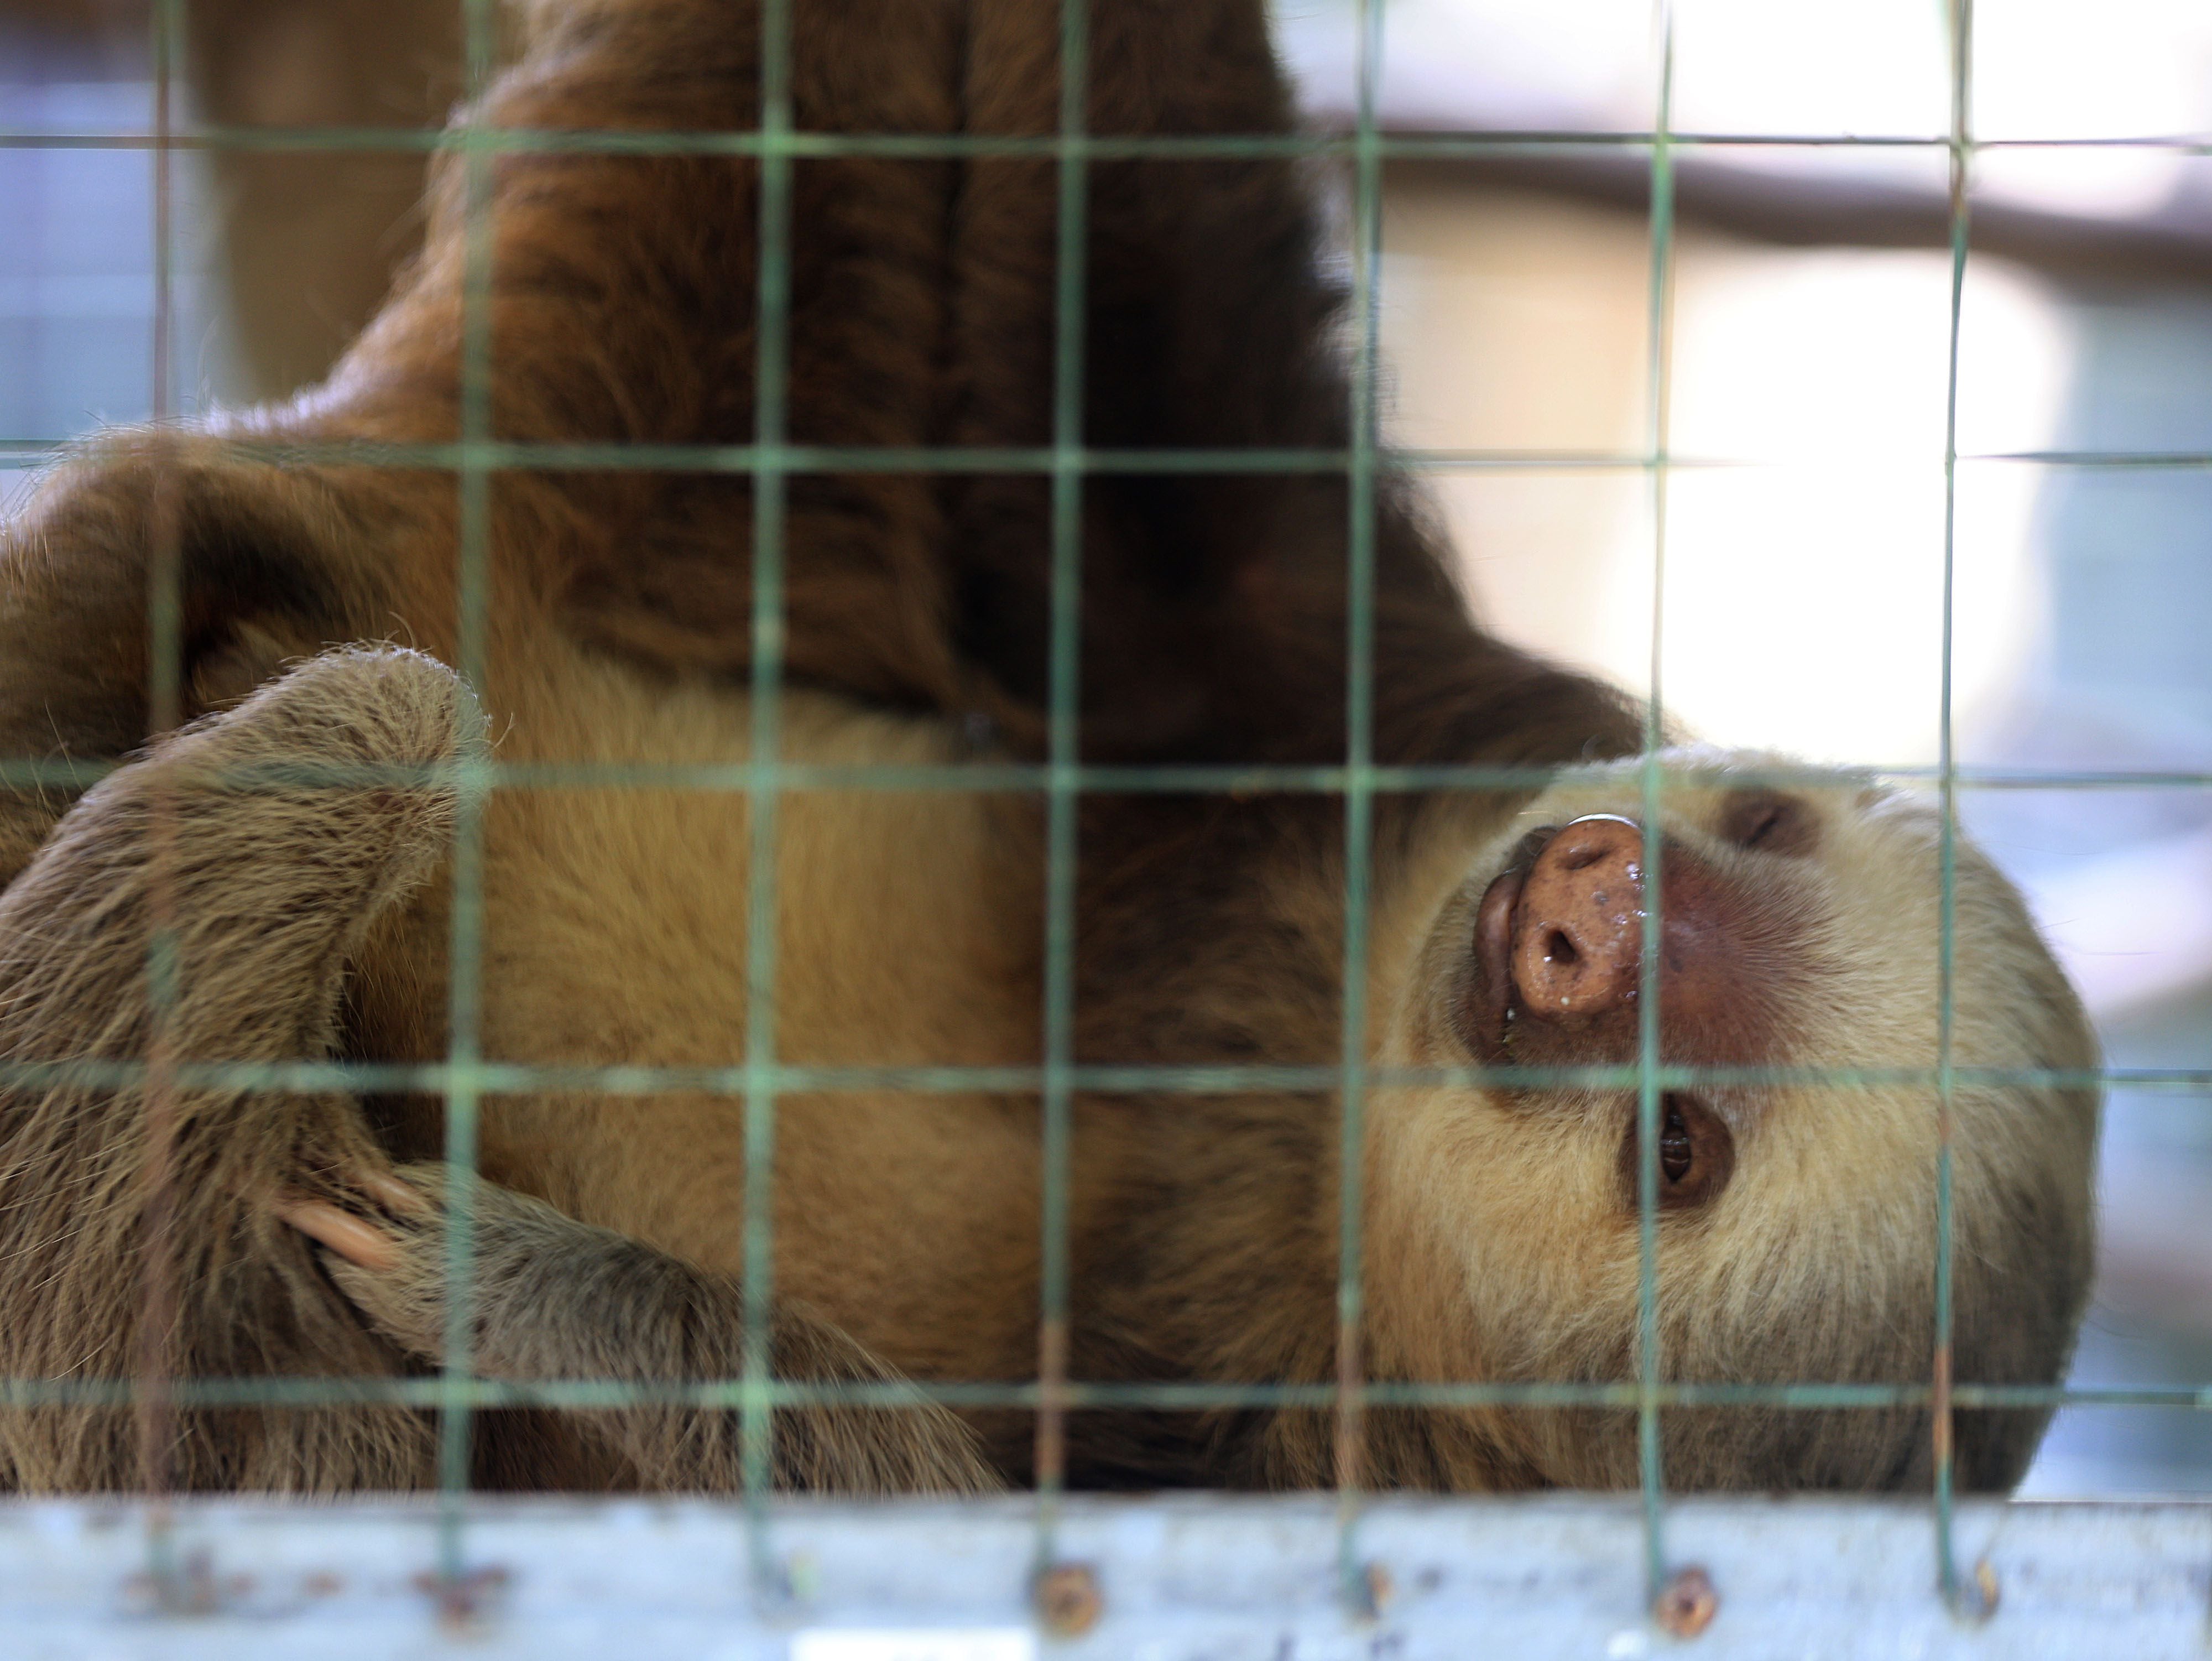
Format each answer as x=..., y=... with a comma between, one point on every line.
x=1800, y=933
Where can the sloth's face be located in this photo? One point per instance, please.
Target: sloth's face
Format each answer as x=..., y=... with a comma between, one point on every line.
x=1798, y=1024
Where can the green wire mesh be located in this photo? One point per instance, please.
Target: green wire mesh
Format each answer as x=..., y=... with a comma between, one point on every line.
x=464, y=1077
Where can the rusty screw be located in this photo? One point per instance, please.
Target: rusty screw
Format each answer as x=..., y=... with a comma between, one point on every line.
x=1981, y=1603
x=465, y=1602
x=1069, y=1601
x=1380, y=1589
x=1687, y=1602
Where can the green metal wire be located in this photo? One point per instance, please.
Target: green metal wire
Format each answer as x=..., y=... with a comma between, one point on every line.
x=1651, y=1478
x=156, y=1395
x=615, y=1083
x=553, y=456
x=1358, y=798
x=1947, y=1565
x=463, y=1089
x=1345, y=146
x=1065, y=670
x=771, y=395
x=729, y=1394
x=1003, y=778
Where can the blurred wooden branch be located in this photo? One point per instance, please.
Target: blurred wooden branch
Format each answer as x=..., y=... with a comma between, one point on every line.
x=1803, y=210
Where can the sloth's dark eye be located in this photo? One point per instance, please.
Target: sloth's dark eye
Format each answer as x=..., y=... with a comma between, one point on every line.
x=1769, y=822
x=1697, y=1154
x=1676, y=1153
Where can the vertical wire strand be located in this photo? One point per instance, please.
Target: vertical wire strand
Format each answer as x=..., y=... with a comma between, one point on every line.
x=1358, y=801
x=154, y=1412
x=771, y=390
x=1939, y=1411
x=1064, y=755
x=464, y=934
x=1651, y=1465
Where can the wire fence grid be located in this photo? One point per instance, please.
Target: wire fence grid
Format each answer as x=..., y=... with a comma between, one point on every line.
x=757, y=1082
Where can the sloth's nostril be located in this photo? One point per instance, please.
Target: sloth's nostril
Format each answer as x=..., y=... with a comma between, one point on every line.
x=1574, y=945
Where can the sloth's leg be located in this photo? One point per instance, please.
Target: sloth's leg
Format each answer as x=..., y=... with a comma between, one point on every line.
x=135, y=1237
x=552, y=1298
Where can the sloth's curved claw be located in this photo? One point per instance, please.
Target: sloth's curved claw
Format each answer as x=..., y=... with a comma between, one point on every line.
x=392, y=1193
x=352, y=1237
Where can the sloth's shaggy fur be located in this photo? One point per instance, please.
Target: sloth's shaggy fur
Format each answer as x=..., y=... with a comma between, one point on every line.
x=137, y=1229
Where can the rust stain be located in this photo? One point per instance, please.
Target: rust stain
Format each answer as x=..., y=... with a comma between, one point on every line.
x=1687, y=1602
x=1069, y=1601
x=1381, y=1588
x=465, y=1602
x=1985, y=1582
x=192, y=1589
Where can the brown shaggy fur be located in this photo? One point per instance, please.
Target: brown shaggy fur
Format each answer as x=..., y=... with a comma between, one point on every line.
x=273, y=890
x=286, y=887
x=1210, y=928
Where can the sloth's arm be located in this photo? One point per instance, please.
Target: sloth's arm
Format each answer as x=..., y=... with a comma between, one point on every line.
x=134, y=1231
x=136, y=1228
x=552, y=1298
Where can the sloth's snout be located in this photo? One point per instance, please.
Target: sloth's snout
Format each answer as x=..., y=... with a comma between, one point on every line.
x=1557, y=966
x=1577, y=933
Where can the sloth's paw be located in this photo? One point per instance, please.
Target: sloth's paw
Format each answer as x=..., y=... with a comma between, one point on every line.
x=393, y=1255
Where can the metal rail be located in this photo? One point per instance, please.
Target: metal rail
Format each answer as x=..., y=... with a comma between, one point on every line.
x=1197, y=1577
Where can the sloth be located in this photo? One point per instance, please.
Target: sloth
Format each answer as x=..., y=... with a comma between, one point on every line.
x=1796, y=927
x=281, y=838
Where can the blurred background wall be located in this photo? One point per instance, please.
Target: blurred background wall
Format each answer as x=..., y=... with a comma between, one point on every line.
x=1810, y=351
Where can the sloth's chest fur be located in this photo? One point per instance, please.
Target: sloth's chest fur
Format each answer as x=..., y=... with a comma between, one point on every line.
x=615, y=934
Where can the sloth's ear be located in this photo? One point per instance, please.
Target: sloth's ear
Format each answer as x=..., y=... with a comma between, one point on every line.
x=143, y=538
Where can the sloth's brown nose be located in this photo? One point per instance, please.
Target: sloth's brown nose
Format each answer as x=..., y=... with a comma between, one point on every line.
x=1578, y=930
x=1558, y=954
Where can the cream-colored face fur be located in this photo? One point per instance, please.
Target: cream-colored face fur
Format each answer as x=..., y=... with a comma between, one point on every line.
x=1803, y=1244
